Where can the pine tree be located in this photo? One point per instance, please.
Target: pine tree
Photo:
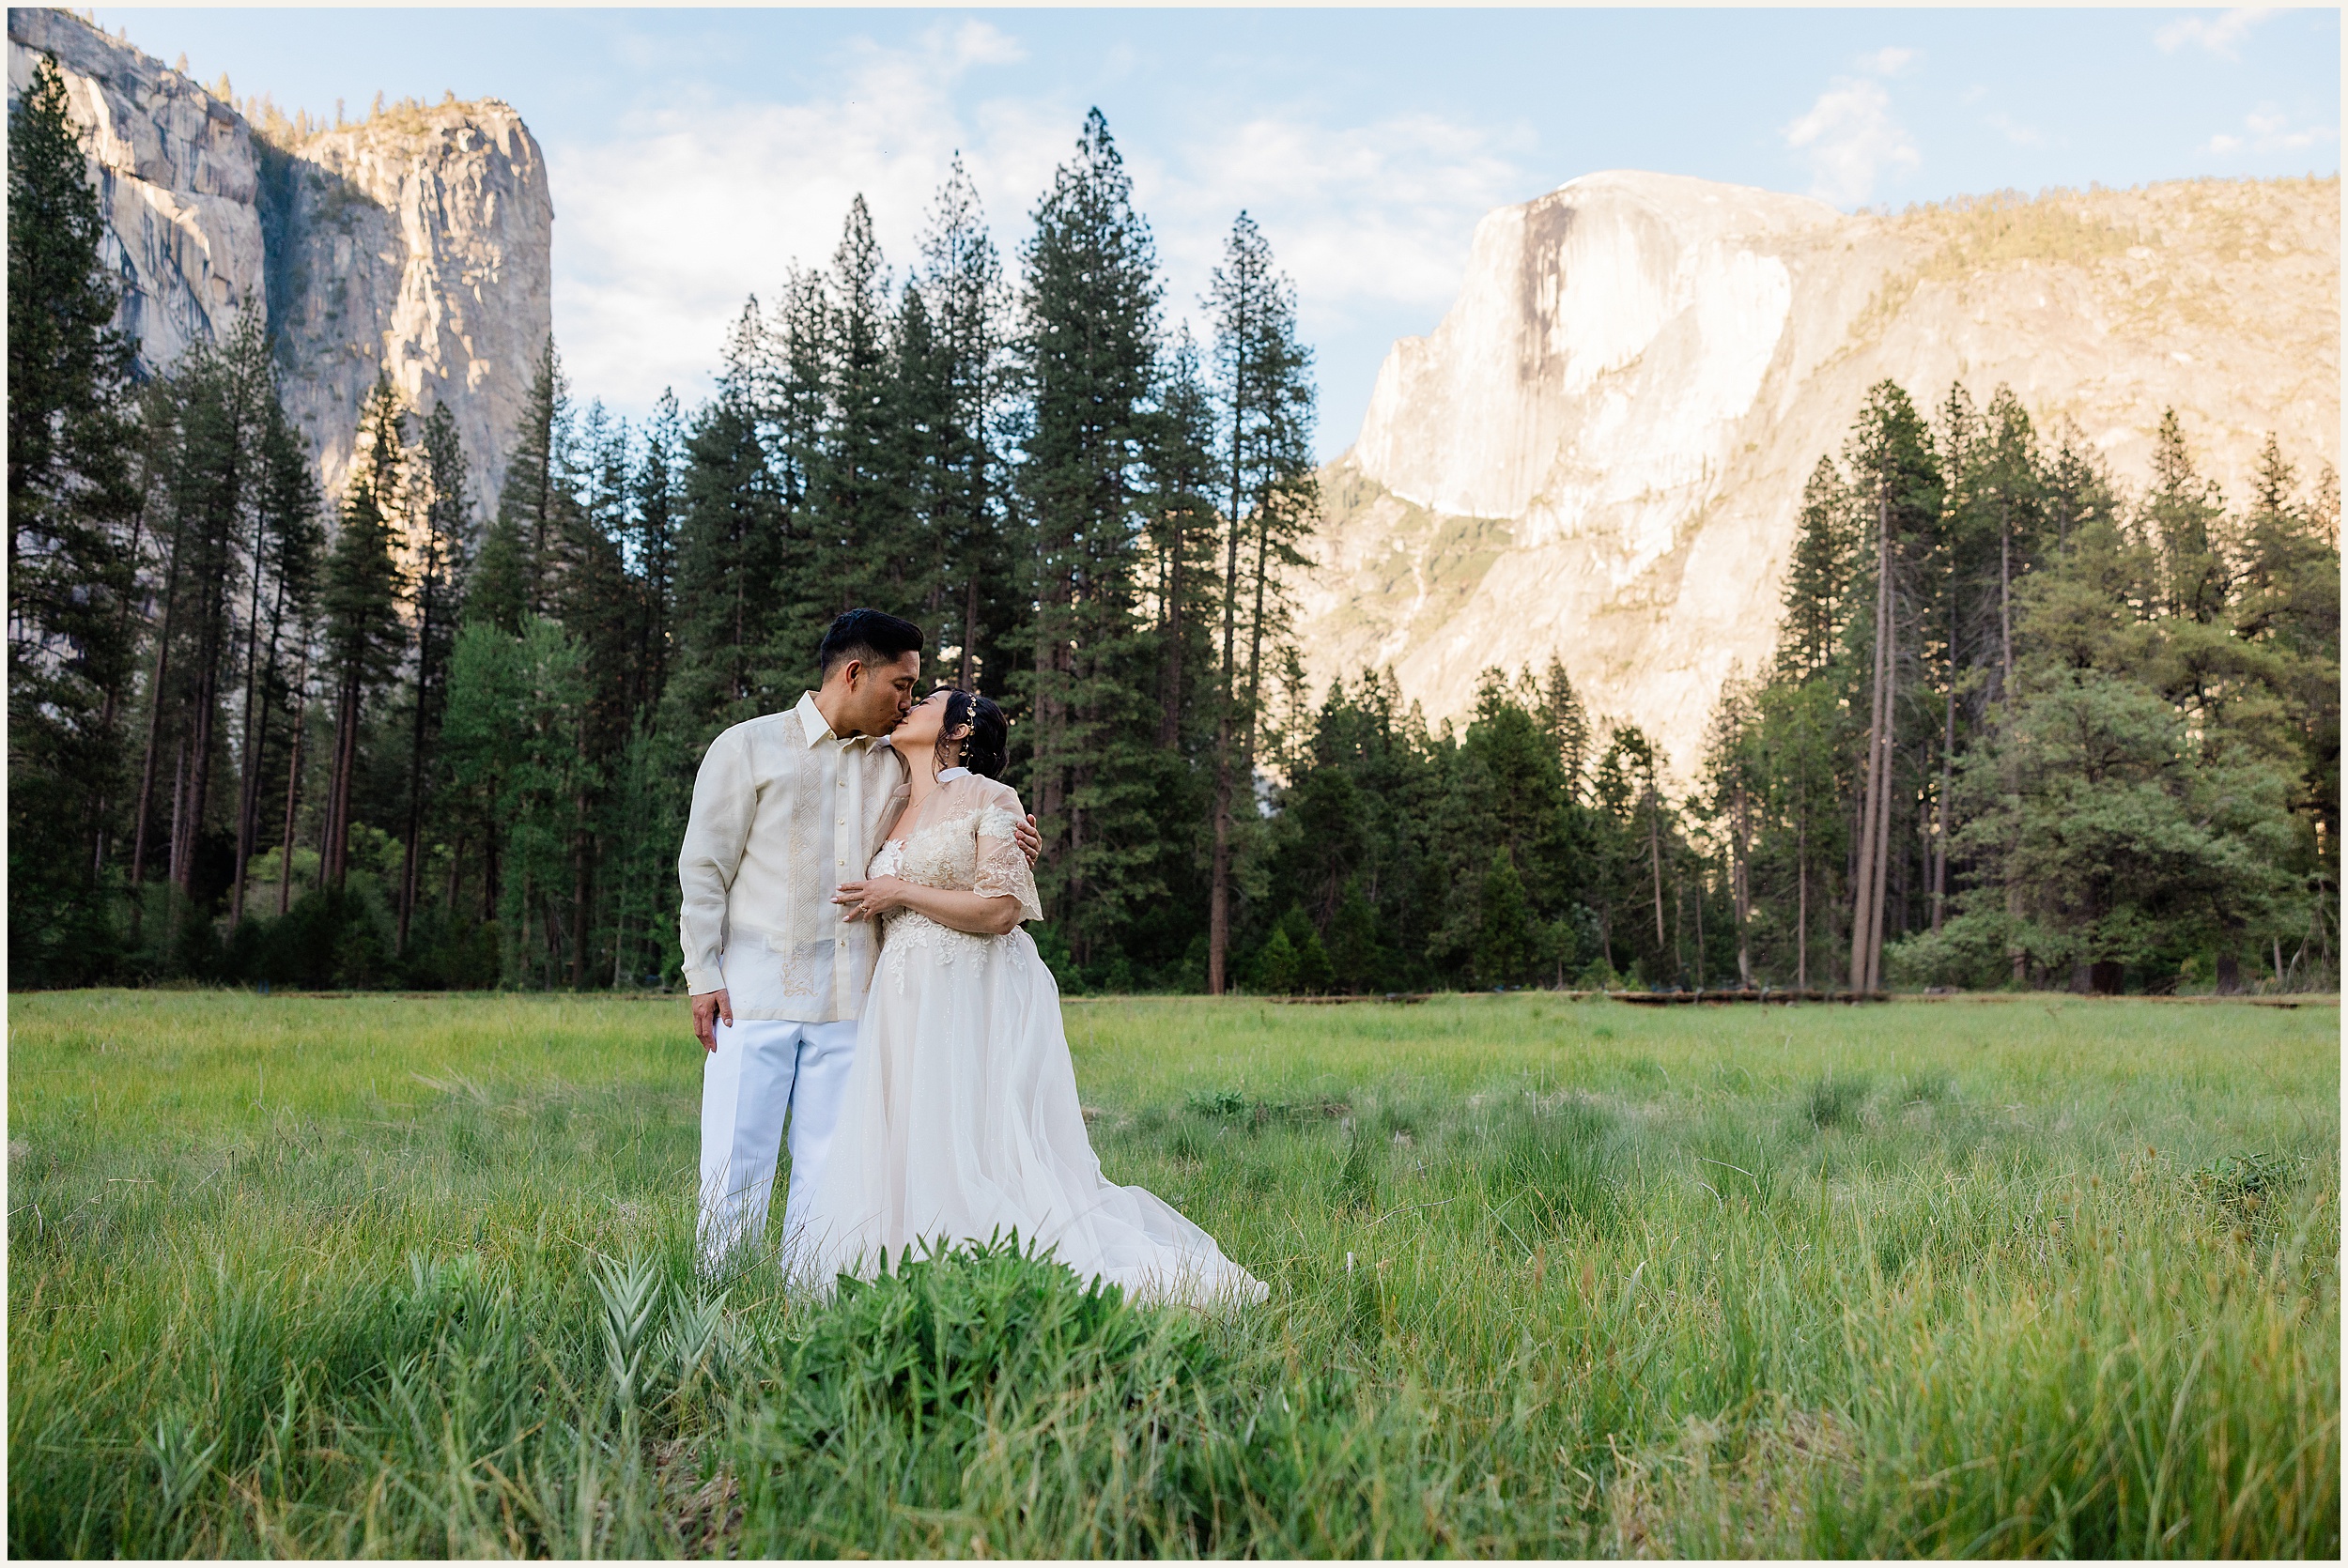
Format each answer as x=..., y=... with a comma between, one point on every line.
x=364, y=635
x=1184, y=530
x=1896, y=472
x=74, y=542
x=1735, y=782
x=1817, y=577
x=210, y=425
x=441, y=546
x=857, y=500
x=2012, y=487
x=961, y=280
x=735, y=586
x=2183, y=516
x=290, y=540
x=1090, y=351
x=1267, y=395
x=658, y=521
x=521, y=558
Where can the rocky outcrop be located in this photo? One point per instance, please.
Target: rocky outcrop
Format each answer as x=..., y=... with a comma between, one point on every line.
x=417, y=244
x=176, y=178
x=1600, y=452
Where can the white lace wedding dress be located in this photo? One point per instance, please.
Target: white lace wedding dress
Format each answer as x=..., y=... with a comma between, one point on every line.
x=960, y=1119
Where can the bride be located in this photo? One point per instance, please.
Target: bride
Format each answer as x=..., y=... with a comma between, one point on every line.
x=960, y=1119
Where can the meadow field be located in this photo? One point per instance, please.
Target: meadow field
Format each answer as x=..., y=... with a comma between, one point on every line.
x=2033, y=1275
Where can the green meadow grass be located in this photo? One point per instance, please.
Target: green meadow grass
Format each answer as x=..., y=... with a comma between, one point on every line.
x=383, y=1275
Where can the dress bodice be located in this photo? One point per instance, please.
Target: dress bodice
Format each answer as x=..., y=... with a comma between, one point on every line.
x=962, y=840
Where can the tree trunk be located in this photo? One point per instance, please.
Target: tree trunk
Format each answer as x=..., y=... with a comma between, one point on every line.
x=114, y=693
x=293, y=782
x=199, y=765
x=1219, y=888
x=1865, y=913
x=2005, y=604
x=411, y=870
x=1741, y=893
x=1877, y=902
x=337, y=847
x=970, y=635
x=1801, y=903
x=580, y=862
x=1255, y=650
x=1169, y=717
x=179, y=810
x=255, y=741
x=155, y=716
x=1941, y=840
x=619, y=924
x=1655, y=851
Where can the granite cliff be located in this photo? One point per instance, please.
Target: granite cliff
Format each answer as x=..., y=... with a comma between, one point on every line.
x=1599, y=453
x=416, y=243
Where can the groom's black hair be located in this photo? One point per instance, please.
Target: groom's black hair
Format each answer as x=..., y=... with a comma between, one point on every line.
x=874, y=635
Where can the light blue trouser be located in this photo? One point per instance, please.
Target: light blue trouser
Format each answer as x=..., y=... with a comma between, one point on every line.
x=764, y=1072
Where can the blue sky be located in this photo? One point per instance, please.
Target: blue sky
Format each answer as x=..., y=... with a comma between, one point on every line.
x=694, y=154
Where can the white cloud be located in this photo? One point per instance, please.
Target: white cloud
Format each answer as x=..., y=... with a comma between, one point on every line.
x=2271, y=130
x=1849, y=138
x=1889, y=61
x=666, y=226
x=2217, y=35
x=1359, y=215
x=2015, y=132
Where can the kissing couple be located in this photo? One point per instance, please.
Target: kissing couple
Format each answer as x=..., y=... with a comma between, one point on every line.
x=854, y=875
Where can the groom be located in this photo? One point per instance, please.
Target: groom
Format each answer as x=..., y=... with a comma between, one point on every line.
x=786, y=807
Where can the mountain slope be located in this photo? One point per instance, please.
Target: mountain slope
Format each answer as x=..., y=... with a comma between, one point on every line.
x=1601, y=450
x=419, y=242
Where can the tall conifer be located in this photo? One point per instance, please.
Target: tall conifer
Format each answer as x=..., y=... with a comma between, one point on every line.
x=1090, y=346
x=1263, y=374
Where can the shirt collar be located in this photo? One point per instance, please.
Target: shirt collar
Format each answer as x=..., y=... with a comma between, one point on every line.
x=950, y=774
x=818, y=729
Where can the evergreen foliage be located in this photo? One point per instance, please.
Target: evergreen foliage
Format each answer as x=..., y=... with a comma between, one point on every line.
x=75, y=538
x=2020, y=727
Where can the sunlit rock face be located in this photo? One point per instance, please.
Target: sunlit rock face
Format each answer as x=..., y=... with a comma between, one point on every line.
x=1599, y=454
x=417, y=244
x=175, y=177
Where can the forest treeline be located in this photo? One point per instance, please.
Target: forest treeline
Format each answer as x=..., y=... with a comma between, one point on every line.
x=2019, y=725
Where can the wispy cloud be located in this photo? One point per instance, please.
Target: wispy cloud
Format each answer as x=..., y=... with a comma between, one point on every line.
x=687, y=208
x=2268, y=129
x=1369, y=214
x=2219, y=35
x=1849, y=138
x=1890, y=61
x=2015, y=132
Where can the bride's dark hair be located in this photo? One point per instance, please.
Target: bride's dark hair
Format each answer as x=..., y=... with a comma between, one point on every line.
x=985, y=749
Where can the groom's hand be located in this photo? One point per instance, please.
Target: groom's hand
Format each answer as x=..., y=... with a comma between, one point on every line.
x=1030, y=842
x=708, y=1007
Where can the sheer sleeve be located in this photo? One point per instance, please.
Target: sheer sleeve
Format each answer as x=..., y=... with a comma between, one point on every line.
x=1002, y=868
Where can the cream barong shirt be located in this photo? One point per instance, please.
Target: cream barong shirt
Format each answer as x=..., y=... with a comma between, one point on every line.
x=784, y=812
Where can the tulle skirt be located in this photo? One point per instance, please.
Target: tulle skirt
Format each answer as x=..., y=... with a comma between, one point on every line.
x=960, y=1122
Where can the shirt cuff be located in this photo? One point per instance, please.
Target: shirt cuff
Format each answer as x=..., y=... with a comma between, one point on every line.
x=700, y=982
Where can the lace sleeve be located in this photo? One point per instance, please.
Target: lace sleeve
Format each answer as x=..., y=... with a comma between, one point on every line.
x=1001, y=867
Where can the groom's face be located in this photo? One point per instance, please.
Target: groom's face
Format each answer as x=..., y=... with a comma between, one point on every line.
x=880, y=695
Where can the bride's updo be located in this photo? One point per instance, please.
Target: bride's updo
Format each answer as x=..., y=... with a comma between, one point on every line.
x=985, y=749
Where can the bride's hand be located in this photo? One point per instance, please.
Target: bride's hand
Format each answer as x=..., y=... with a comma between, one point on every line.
x=871, y=897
